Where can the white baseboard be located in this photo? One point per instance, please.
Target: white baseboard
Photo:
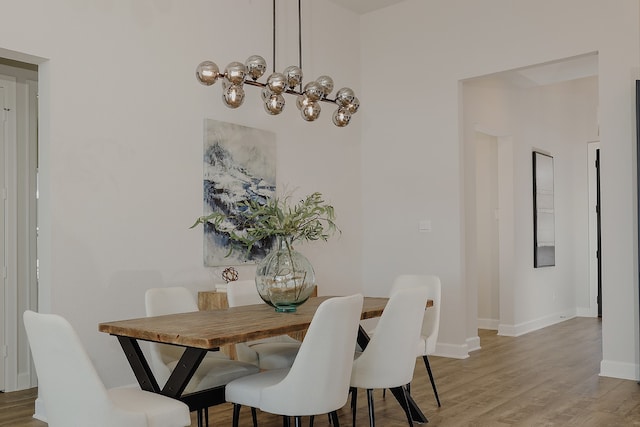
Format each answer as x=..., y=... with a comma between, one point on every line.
x=473, y=343
x=534, y=325
x=587, y=312
x=625, y=371
x=452, y=350
x=40, y=412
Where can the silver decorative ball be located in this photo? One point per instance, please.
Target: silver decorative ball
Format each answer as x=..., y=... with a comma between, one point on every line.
x=235, y=72
x=302, y=101
x=275, y=104
x=345, y=96
x=207, y=73
x=327, y=84
x=233, y=96
x=314, y=91
x=353, y=105
x=277, y=82
x=256, y=66
x=293, y=75
x=265, y=93
x=311, y=111
x=341, y=117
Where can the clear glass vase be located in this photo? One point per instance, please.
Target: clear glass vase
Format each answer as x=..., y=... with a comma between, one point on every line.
x=285, y=278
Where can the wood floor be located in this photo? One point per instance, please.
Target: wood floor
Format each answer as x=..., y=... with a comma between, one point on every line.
x=545, y=378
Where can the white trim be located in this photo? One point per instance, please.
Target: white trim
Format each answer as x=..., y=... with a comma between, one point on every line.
x=534, y=325
x=40, y=411
x=625, y=371
x=593, y=229
x=454, y=351
x=473, y=343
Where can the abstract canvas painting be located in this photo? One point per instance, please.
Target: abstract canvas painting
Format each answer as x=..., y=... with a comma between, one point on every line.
x=239, y=165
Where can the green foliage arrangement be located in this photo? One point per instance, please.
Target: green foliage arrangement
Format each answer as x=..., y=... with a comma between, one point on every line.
x=310, y=219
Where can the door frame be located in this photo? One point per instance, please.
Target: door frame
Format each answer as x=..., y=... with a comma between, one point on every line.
x=593, y=148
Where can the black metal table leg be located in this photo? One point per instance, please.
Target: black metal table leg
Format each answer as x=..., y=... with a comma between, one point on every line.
x=139, y=364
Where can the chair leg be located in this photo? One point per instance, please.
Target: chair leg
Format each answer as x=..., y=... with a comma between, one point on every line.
x=311, y=421
x=286, y=422
x=406, y=405
x=254, y=417
x=372, y=419
x=334, y=417
x=236, y=414
x=298, y=421
x=206, y=417
x=199, y=417
x=433, y=383
x=354, y=402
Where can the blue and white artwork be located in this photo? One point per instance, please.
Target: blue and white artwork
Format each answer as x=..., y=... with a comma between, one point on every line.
x=239, y=165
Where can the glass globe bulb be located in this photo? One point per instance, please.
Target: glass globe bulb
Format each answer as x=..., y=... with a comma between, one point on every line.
x=353, y=105
x=293, y=75
x=314, y=91
x=275, y=104
x=277, y=83
x=311, y=111
x=207, y=73
x=235, y=72
x=255, y=66
x=341, y=117
x=345, y=96
x=327, y=84
x=233, y=96
x=302, y=101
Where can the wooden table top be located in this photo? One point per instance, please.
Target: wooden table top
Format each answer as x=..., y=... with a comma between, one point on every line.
x=214, y=328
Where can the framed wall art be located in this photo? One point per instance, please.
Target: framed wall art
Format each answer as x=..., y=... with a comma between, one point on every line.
x=544, y=244
x=239, y=165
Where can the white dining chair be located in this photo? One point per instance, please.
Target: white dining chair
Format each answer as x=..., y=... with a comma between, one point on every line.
x=269, y=353
x=318, y=381
x=74, y=394
x=215, y=369
x=388, y=360
x=431, y=320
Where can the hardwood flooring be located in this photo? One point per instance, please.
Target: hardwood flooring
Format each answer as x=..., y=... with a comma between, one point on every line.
x=545, y=378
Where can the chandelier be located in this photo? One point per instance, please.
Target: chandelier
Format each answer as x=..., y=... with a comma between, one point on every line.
x=308, y=97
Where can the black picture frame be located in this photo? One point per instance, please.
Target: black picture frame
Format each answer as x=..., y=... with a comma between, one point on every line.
x=544, y=245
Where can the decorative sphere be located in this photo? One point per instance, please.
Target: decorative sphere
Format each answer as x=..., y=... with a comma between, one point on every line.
x=207, y=73
x=265, y=93
x=353, y=105
x=256, y=66
x=311, y=111
x=302, y=101
x=345, y=96
x=293, y=75
x=314, y=91
x=235, y=72
x=341, y=117
x=277, y=82
x=233, y=96
x=275, y=104
x=327, y=84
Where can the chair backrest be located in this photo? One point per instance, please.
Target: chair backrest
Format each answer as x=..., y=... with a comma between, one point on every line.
x=243, y=292
x=72, y=391
x=389, y=358
x=318, y=381
x=160, y=302
x=431, y=321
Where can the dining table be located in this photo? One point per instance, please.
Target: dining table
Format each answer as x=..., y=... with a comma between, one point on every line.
x=207, y=330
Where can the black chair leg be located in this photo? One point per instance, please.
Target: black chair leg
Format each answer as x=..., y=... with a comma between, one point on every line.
x=372, y=419
x=354, y=402
x=334, y=417
x=236, y=414
x=433, y=383
x=286, y=422
x=199, y=417
x=298, y=421
x=254, y=417
x=206, y=417
x=406, y=405
x=311, y=421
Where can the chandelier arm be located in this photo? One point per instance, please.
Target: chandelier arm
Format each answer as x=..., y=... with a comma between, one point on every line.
x=300, y=38
x=274, y=35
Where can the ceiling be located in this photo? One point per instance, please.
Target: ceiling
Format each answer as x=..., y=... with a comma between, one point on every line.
x=364, y=6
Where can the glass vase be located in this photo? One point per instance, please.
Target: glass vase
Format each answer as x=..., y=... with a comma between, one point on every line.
x=285, y=278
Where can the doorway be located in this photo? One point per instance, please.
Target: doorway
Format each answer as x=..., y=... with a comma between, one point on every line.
x=18, y=190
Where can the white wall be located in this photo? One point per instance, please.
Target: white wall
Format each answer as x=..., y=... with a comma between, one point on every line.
x=121, y=145
x=412, y=142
